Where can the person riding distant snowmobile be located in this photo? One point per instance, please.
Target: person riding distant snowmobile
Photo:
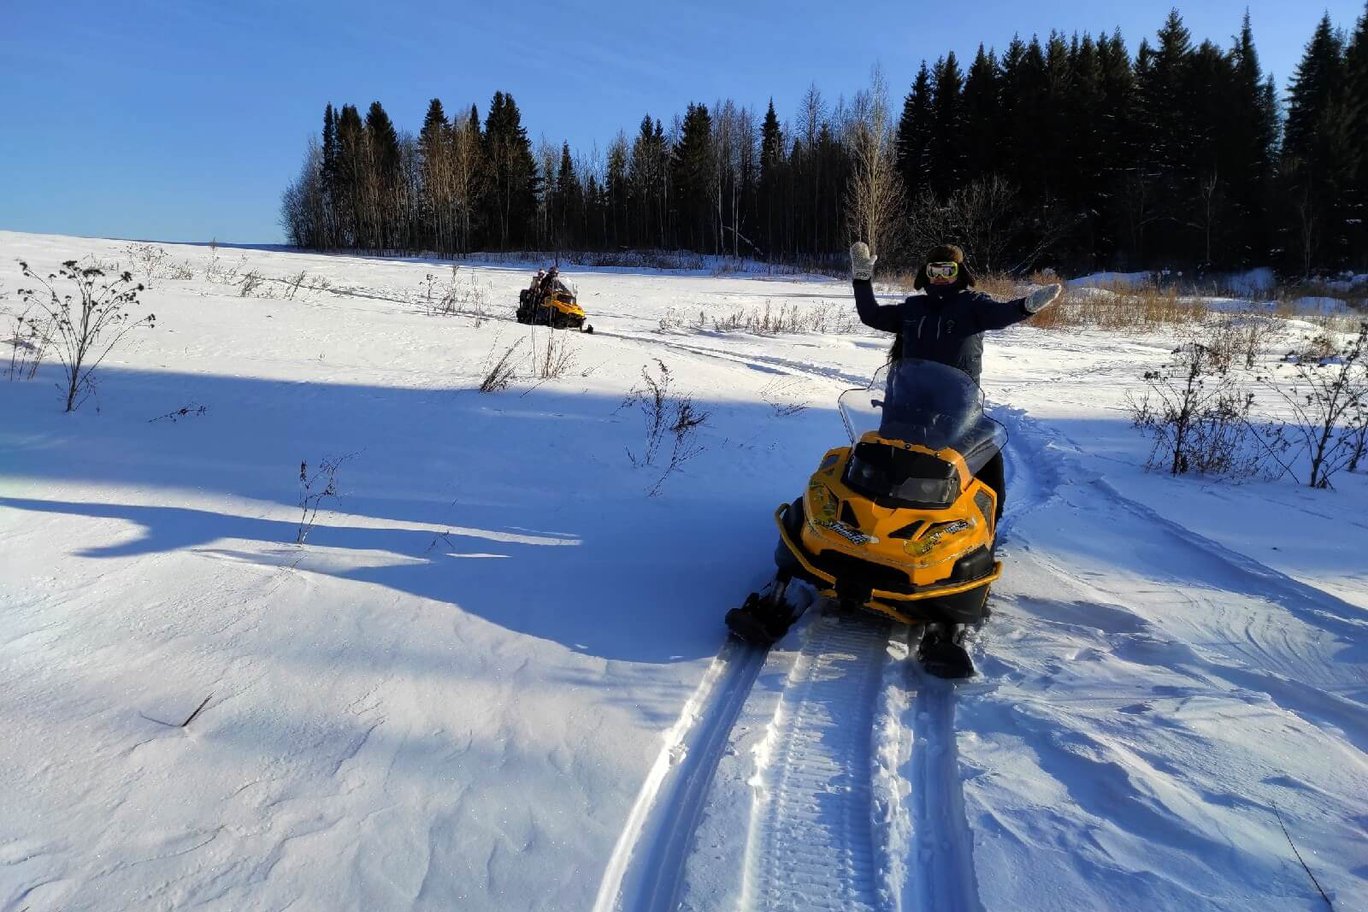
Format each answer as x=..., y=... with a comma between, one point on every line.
x=945, y=325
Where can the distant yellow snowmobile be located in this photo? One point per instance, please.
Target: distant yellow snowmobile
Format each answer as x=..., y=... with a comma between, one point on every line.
x=551, y=302
x=897, y=523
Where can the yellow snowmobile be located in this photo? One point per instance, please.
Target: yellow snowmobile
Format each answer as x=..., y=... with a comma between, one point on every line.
x=553, y=303
x=899, y=523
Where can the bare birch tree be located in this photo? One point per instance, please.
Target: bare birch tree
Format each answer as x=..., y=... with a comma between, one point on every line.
x=874, y=194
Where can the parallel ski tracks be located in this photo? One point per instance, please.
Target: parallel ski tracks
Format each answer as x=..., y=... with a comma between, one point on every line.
x=832, y=804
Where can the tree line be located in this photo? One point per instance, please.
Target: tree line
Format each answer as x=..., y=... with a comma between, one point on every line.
x=1070, y=152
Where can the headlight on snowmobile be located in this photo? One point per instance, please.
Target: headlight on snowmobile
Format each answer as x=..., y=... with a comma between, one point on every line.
x=822, y=503
x=942, y=542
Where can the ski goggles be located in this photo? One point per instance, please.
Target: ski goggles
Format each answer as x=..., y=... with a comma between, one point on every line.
x=942, y=273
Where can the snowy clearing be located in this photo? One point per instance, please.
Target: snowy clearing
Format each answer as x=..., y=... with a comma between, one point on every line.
x=495, y=675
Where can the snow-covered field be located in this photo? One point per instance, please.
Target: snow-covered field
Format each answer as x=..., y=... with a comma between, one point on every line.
x=496, y=676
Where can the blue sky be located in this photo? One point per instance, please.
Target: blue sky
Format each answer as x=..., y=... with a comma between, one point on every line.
x=183, y=120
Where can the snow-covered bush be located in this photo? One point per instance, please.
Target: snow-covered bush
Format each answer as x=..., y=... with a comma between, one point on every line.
x=155, y=263
x=84, y=326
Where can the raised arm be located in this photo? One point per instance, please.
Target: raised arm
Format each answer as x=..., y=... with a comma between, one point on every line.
x=872, y=313
x=991, y=314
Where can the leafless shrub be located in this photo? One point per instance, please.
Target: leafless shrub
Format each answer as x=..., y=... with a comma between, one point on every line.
x=1253, y=334
x=785, y=396
x=155, y=263
x=768, y=320
x=1327, y=398
x=638, y=259
x=86, y=326
x=251, y=281
x=221, y=273
x=185, y=411
x=294, y=283
x=673, y=320
x=149, y=259
x=314, y=488
x=30, y=335
x=1198, y=414
x=1318, y=348
x=499, y=372
x=985, y=218
x=556, y=357
x=670, y=416
x=453, y=297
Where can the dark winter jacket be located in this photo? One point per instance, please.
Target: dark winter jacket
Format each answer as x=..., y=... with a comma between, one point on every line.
x=945, y=326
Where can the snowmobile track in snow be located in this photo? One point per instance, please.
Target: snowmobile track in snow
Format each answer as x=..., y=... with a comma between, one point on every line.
x=646, y=870
x=945, y=880
x=812, y=843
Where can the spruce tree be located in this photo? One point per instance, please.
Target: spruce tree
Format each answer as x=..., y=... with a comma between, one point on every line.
x=1252, y=137
x=946, y=150
x=435, y=203
x=914, y=135
x=772, y=161
x=693, y=175
x=982, y=116
x=352, y=155
x=329, y=179
x=1356, y=112
x=1316, y=152
x=511, y=173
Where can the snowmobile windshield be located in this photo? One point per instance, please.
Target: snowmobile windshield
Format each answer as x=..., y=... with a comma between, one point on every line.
x=925, y=403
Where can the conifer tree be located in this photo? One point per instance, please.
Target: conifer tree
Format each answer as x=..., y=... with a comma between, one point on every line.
x=1316, y=157
x=1356, y=127
x=914, y=135
x=693, y=174
x=772, y=163
x=945, y=151
x=436, y=202
x=328, y=236
x=511, y=173
x=982, y=116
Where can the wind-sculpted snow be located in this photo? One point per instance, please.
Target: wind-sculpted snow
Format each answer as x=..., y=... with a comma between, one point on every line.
x=494, y=676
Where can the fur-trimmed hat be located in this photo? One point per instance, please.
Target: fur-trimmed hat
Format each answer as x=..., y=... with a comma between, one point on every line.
x=945, y=253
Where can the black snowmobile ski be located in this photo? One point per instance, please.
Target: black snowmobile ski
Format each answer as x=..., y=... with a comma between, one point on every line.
x=942, y=652
x=764, y=617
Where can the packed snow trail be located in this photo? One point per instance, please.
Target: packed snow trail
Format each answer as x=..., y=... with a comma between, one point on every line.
x=944, y=845
x=811, y=844
x=645, y=870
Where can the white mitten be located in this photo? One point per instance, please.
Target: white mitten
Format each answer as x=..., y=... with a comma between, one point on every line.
x=862, y=262
x=1042, y=298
